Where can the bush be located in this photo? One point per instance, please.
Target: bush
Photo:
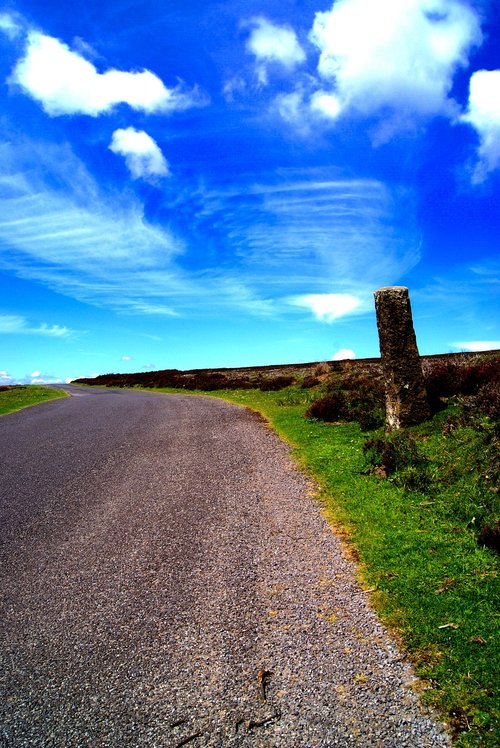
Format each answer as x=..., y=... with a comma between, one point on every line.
x=273, y=384
x=353, y=395
x=309, y=381
x=330, y=408
x=444, y=379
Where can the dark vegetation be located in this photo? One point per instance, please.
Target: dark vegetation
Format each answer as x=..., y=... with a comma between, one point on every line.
x=265, y=378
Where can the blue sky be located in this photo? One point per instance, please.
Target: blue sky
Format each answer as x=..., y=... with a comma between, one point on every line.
x=204, y=184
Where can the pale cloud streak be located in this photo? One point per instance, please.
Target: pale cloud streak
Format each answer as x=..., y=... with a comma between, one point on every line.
x=306, y=230
x=477, y=346
x=13, y=324
x=95, y=248
x=142, y=154
x=65, y=83
x=100, y=249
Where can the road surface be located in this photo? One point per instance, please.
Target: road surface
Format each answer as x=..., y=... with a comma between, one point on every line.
x=167, y=579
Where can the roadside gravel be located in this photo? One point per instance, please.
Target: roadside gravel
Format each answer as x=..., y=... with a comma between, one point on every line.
x=178, y=585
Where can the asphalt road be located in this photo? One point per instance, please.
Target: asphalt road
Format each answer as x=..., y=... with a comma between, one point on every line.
x=166, y=580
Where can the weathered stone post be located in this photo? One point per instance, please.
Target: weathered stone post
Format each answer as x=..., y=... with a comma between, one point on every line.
x=405, y=395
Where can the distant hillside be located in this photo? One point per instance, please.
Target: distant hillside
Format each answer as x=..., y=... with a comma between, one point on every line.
x=272, y=377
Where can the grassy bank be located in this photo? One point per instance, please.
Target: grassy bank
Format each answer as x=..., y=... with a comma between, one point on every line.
x=16, y=397
x=413, y=534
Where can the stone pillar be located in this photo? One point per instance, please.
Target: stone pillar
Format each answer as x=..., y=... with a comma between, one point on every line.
x=405, y=395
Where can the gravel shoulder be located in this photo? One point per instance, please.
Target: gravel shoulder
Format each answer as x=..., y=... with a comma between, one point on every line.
x=168, y=579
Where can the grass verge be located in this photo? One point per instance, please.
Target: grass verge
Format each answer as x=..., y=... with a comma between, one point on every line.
x=16, y=397
x=415, y=544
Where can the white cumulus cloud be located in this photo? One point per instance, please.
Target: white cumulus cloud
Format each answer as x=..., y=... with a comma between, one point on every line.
x=397, y=55
x=343, y=354
x=142, y=154
x=64, y=82
x=483, y=114
x=271, y=43
x=327, y=307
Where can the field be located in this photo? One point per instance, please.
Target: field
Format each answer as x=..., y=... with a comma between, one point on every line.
x=16, y=397
x=418, y=509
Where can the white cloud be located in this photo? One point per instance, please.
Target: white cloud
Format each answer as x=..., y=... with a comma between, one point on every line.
x=5, y=377
x=327, y=307
x=142, y=154
x=397, y=55
x=9, y=25
x=273, y=44
x=13, y=324
x=477, y=345
x=127, y=358
x=38, y=378
x=64, y=82
x=327, y=104
x=483, y=114
x=343, y=354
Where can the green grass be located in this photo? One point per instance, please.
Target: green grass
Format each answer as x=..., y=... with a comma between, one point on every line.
x=22, y=396
x=435, y=587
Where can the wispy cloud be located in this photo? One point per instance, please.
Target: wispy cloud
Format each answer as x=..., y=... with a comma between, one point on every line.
x=305, y=230
x=64, y=82
x=142, y=154
x=13, y=324
x=477, y=345
x=74, y=239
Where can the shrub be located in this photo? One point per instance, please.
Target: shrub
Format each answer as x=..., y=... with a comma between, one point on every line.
x=444, y=379
x=488, y=400
x=274, y=384
x=330, y=408
x=309, y=381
